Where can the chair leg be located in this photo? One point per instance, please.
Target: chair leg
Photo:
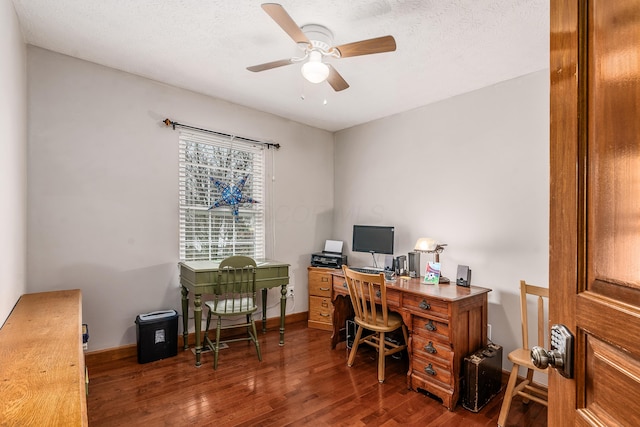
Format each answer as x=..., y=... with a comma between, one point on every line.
x=206, y=330
x=508, y=396
x=354, y=346
x=529, y=381
x=255, y=339
x=216, y=348
x=381, y=358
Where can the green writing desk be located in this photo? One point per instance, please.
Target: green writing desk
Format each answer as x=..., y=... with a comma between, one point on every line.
x=199, y=277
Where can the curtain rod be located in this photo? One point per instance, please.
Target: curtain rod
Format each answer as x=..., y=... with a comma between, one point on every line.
x=173, y=124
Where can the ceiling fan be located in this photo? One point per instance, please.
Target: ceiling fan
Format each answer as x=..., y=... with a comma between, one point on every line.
x=316, y=41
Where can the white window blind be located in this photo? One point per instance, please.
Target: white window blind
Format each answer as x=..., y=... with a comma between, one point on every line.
x=216, y=234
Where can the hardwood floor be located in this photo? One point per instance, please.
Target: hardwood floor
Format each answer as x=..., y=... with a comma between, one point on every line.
x=302, y=383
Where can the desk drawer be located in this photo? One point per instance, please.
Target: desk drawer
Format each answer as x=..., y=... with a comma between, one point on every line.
x=340, y=281
x=320, y=283
x=320, y=309
x=340, y=285
x=425, y=305
x=432, y=351
x=432, y=372
x=431, y=329
x=393, y=298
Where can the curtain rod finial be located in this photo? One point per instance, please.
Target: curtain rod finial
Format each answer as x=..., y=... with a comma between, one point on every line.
x=169, y=122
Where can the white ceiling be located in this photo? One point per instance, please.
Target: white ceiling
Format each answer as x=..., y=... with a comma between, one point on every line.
x=444, y=48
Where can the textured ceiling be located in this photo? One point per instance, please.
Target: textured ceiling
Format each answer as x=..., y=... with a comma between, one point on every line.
x=444, y=48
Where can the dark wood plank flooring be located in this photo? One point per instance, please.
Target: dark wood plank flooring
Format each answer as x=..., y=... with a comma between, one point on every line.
x=301, y=383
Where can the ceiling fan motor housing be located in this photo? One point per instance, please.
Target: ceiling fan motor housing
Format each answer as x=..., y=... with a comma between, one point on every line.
x=321, y=38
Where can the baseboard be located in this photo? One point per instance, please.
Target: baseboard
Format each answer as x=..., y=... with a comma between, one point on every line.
x=131, y=350
x=110, y=354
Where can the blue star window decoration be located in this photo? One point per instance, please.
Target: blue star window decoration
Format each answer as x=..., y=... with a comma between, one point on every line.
x=231, y=195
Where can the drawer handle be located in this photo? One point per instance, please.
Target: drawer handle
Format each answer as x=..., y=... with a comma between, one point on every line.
x=430, y=326
x=344, y=285
x=325, y=279
x=429, y=348
x=324, y=289
x=429, y=370
x=325, y=304
x=425, y=305
x=324, y=315
x=378, y=294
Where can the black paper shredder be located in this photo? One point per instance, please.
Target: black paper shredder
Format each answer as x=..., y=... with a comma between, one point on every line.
x=157, y=335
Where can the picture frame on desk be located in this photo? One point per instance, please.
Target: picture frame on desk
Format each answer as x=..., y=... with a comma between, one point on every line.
x=432, y=273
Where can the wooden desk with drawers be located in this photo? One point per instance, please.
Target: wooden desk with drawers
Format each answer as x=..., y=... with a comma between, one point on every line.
x=446, y=323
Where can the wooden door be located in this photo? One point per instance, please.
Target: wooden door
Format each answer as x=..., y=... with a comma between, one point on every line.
x=595, y=208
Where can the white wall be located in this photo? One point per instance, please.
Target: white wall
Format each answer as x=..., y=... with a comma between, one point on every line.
x=103, y=189
x=471, y=171
x=13, y=163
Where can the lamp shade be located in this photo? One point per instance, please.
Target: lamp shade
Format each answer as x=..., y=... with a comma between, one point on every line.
x=315, y=70
x=426, y=244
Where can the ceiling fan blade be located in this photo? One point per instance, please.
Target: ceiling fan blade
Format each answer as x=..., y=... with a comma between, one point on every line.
x=367, y=47
x=282, y=18
x=335, y=80
x=269, y=65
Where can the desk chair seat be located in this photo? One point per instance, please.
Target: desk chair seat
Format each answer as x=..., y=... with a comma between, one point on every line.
x=235, y=295
x=368, y=293
x=521, y=357
x=393, y=322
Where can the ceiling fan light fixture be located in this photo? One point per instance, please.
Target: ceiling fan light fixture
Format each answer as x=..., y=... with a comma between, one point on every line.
x=315, y=70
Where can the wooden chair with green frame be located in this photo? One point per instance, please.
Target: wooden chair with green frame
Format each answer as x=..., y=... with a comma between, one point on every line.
x=235, y=295
x=368, y=294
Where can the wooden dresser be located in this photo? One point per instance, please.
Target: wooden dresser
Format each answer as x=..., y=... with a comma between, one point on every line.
x=320, y=305
x=42, y=362
x=446, y=323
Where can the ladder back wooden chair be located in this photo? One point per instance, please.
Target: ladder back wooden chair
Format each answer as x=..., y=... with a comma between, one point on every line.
x=235, y=296
x=368, y=294
x=521, y=357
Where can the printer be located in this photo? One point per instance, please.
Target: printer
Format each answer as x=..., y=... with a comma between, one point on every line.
x=330, y=257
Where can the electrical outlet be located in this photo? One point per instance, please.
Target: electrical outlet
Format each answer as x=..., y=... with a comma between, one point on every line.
x=489, y=332
x=290, y=291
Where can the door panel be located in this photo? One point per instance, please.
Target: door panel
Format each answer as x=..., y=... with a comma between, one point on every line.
x=595, y=208
x=608, y=368
x=613, y=149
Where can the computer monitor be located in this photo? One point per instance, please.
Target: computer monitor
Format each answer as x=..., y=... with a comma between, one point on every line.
x=373, y=239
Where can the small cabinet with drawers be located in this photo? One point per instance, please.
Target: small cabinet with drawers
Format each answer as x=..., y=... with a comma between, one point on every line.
x=320, y=306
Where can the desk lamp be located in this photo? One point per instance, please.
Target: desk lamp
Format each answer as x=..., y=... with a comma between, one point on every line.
x=431, y=246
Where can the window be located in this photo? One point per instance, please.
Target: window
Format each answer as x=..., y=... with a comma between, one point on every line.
x=217, y=233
